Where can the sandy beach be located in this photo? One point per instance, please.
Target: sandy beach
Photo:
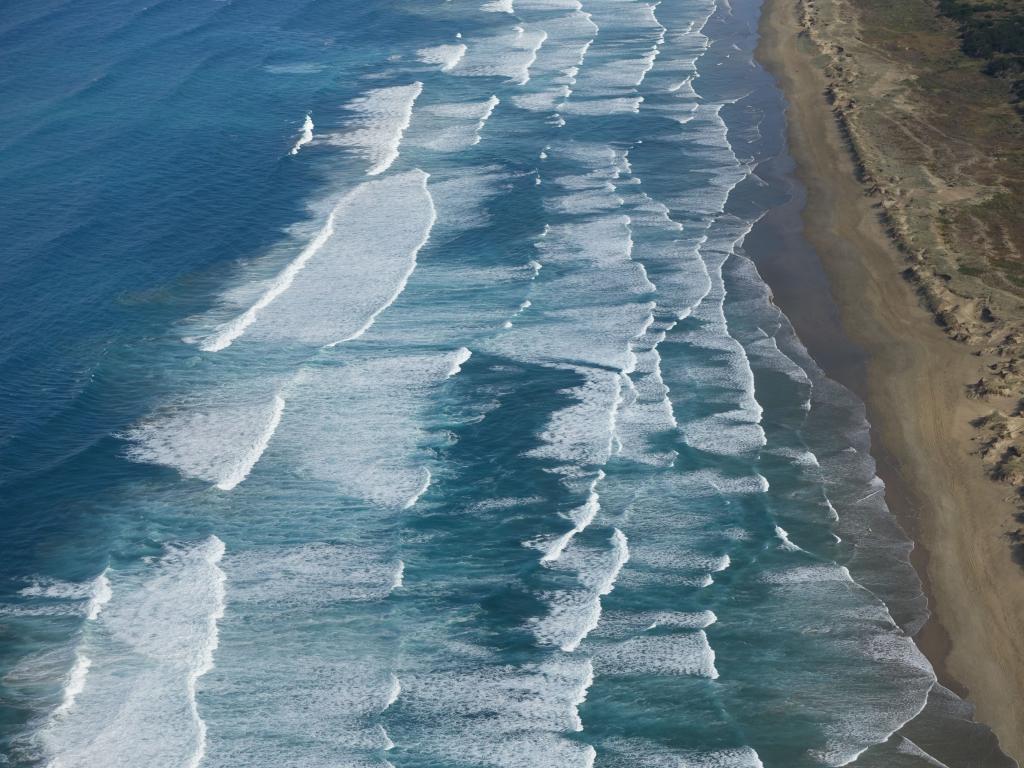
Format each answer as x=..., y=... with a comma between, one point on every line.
x=913, y=378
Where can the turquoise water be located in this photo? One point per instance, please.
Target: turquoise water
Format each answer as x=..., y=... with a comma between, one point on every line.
x=387, y=384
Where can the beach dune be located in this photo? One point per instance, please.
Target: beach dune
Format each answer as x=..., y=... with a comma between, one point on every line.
x=914, y=380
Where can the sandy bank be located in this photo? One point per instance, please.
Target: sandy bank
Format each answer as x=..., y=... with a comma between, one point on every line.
x=914, y=380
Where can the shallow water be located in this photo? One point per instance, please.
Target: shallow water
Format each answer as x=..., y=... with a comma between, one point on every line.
x=387, y=385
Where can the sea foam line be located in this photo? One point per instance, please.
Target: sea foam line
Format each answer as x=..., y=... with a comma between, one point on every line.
x=655, y=50
x=305, y=137
x=533, y=55
x=446, y=56
x=95, y=593
x=489, y=106
x=173, y=637
x=580, y=695
x=459, y=358
x=236, y=327
x=99, y=596
x=376, y=134
x=213, y=555
x=75, y=683
x=620, y=547
x=399, y=578
x=419, y=491
x=582, y=516
x=252, y=455
x=393, y=692
x=391, y=153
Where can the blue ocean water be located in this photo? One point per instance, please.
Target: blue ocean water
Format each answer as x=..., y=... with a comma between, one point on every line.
x=386, y=384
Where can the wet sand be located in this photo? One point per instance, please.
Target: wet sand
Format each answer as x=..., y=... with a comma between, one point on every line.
x=837, y=276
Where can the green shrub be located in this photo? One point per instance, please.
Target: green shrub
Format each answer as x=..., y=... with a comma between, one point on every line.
x=982, y=38
x=997, y=39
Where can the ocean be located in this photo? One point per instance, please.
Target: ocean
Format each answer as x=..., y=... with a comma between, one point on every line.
x=387, y=384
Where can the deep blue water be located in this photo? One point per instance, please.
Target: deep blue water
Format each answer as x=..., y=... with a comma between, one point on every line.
x=386, y=384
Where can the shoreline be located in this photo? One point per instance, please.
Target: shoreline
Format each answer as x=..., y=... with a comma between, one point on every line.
x=865, y=325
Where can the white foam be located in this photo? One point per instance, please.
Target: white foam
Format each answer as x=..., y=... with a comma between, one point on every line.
x=582, y=517
x=907, y=747
x=682, y=654
x=617, y=105
x=489, y=106
x=227, y=333
x=362, y=425
x=676, y=620
x=784, y=540
x=735, y=427
x=638, y=753
x=549, y=5
x=806, y=574
x=87, y=597
x=569, y=38
x=475, y=713
x=580, y=320
x=446, y=56
x=213, y=554
x=56, y=589
x=384, y=114
x=622, y=73
x=394, y=692
x=74, y=684
x=583, y=433
x=403, y=254
x=647, y=409
x=311, y=577
x=411, y=502
x=253, y=451
x=216, y=443
x=621, y=557
x=283, y=597
x=451, y=127
x=512, y=750
x=622, y=623
x=509, y=55
x=154, y=641
x=362, y=246
x=523, y=306
x=580, y=695
x=459, y=358
x=685, y=86
x=498, y=6
x=542, y=101
x=99, y=595
x=305, y=137
x=461, y=196
x=575, y=614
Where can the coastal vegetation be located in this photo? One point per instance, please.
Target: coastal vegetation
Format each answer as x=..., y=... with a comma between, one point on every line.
x=939, y=147
x=993, y=31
